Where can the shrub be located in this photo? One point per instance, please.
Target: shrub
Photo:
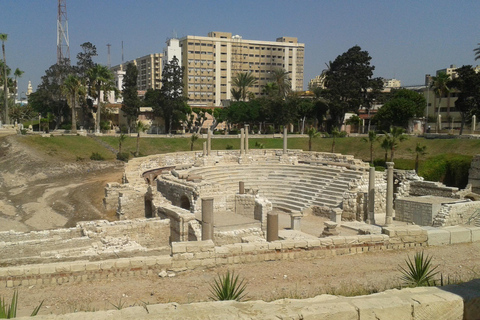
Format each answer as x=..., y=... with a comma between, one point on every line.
x=229, y=147
x=234, y=131
x=123, y=156
x=228, y=287
x=419, y=272
x=96, y=156
x=451, y=169
x=259, y=145
x=123, y=129
x=23, y=131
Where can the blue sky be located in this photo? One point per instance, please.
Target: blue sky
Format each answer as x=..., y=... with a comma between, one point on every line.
x=406, y=39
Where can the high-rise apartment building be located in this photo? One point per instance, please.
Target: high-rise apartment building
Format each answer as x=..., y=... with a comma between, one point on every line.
x=149, y=71
x=211, y=62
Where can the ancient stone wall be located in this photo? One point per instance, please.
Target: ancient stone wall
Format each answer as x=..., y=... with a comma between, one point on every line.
x=424, y=188
x=474, y=174
x=461, y=213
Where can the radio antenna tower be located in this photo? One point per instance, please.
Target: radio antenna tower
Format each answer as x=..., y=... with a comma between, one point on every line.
x=63, y=46
x=108, y=61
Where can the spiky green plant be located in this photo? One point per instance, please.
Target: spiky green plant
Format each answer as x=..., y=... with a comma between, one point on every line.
x=9, y=311
x=419, y=272
x=228, y=287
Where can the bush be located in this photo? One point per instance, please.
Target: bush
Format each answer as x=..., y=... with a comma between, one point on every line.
x=123, y=156
x=450, y=169
x=419, y=272
x=123, y=129
x=66, y=126
x=229, y=147
x=234, y=131
x=23, y=131
x=96, y=156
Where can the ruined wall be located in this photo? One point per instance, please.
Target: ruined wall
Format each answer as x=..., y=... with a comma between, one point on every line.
x=424, y=188
x=245, y=205
x=453, y=214
x=474, y=174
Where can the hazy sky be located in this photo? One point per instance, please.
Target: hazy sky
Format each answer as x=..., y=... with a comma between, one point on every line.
x=406, y=39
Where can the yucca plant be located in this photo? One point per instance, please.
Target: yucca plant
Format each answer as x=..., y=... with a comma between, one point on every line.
x=228, y=287
x=9, y=311
x=419, y=272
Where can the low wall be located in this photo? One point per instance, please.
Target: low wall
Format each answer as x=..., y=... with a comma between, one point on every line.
x=455, y=302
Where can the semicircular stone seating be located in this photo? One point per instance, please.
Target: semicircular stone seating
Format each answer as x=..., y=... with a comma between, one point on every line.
x=288, y=187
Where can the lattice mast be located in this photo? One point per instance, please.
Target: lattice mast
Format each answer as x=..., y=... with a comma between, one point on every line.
x=63, y=46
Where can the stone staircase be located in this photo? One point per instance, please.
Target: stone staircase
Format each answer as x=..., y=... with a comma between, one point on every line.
x=288, y=187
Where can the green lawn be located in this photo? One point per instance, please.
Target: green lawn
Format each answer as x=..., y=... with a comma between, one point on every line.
x=76, y=147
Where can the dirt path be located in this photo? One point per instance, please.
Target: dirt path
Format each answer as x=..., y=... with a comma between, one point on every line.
x=37, y=192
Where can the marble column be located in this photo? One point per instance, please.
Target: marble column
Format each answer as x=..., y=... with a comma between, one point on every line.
x=241, y=187
x=285, y=139
x=371, y=196
x=242, y=141
x=209, y=142
x=389, y=213
x=474, y=123
x=207, y=218
x=246, y=138
x=204, y=148
x=272, y=226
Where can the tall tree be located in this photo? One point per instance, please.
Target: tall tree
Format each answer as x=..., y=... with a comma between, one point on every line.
x=477, y=52
x=73, y=88
x=101, y=78
x=17, y=74
x=348, y=82
x=372, y=138
x=131, y=101
x=394, y=137
x=312, y=133
x=282, y=80
x=85, y=58
x=468, y=85
x=440, y=85
x=3, y=38
x=171, y=101
x=242, y=81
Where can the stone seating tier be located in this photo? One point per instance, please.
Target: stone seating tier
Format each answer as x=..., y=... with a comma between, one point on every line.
x=288, y=187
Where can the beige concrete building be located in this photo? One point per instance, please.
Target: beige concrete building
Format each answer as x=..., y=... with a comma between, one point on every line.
x=149, y=71
x=211, y=62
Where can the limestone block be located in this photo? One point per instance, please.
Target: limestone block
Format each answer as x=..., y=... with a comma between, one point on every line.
x=382, y=306
x=389, y=231
x=475, y=232
x=438, y=237
x=300, y=243
x=163, y=261
x=247, y=247
x=459, y=235
x=275, y=245
x=62, y=268
x=324, y=242
x=288, y=244
x=137, y=262
x=47, y=269
x=179, y=247
x=338, y=241
x=122, y=263
x=92, y=266
x=107, y=264
x=313, y=243
x=433, y=306
x=349, y=240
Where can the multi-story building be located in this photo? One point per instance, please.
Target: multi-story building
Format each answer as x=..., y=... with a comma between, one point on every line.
x=391, y=84
x=149, y=71
x=211, y=62
x=317, y=82
x=172, y=50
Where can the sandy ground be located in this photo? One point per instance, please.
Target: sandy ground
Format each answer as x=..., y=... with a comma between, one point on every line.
x=37, y=193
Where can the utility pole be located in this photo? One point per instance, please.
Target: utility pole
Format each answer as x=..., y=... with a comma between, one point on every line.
x=108, y=60
x=63, y=45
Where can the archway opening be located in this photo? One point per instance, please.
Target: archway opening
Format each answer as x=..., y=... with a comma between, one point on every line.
x=184, y=202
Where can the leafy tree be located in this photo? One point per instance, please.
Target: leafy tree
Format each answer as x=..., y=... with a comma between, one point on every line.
x=372, y=138
x=131, y=101
x=270, y=89
x=20, y=113
x=73, y=88
x=49, y=97
x=305, y=109
x=101, y=78
x=170, y=102
x=3, y=38
x=468, y=85
x=440, y=85
x=312, y=133
x=404, y=105
x=243, y=112
x=17, y=74
x=348, y=81
x=85, y=59
x=335, y=133
x=242, y=81
x=193, y=138
x=394, y=137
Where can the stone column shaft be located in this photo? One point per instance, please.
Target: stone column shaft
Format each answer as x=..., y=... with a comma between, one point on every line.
x=242, y=141
x=285, y=139
x=209, y=142
x=246, y=138
x=371, y=196
x=389, y=213
x=204, y=148
x=241, y=187
x=207, y=218
x=272, y=226
x=474, y=123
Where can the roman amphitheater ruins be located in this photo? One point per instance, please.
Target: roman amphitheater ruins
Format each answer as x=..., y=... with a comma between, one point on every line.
x=185, y=210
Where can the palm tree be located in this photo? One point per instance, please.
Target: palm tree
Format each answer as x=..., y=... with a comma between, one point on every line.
x=385, y=146
x=440, y=87
x=335, y=133
x=372, y=138
x=236, y=94
x=193, y=138
x=141, y=127
x=244, y=80
x=270, y=89
x=17, y=74
x=101, y=78
x=312, y=133
x=394, y=137
x=121, y=138
x=73, y=87
x=477, y=52
x=3, y=38
x=419, y=151
x=282, y=80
